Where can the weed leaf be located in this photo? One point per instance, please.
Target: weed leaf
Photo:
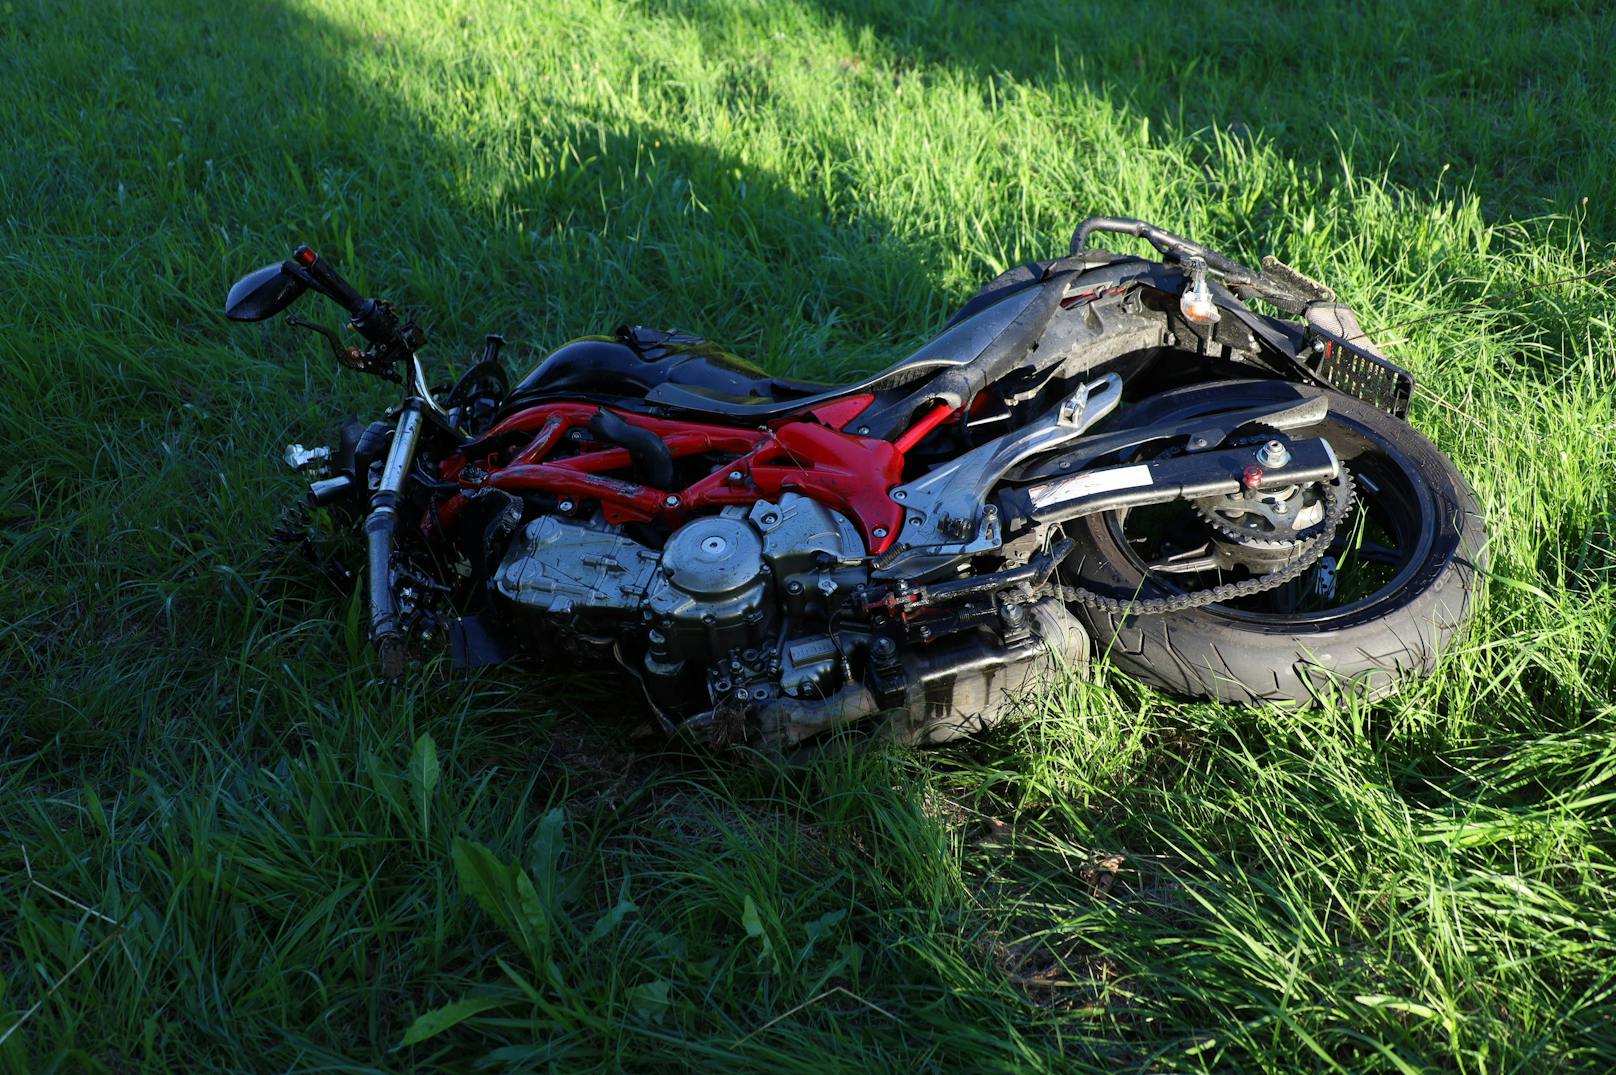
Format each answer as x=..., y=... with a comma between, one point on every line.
x=650, y=1000
x=438, y=1020
x=485, y=879
x=819, y=926
x=535, y=913
x=749, y=918
x=547, y=847
x=753, y=924
x=817, y=929
x=611, y=919
x=424, y=779
x=852, y=954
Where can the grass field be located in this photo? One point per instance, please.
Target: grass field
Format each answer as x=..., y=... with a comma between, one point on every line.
x=226, y=848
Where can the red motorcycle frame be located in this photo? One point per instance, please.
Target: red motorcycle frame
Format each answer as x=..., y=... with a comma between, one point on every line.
x=803, y=453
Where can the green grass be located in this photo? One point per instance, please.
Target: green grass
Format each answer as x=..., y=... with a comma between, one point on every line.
x=225, y=847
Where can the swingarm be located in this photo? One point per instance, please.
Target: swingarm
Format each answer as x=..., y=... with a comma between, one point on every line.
x=1251, y=472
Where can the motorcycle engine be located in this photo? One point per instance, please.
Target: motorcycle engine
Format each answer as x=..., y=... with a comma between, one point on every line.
x=707, y=605
x=764, y=622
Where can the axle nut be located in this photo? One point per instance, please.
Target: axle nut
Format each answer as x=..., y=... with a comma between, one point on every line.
x=1274, y=454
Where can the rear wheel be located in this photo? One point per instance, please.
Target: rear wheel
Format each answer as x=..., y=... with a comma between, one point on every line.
x=1393, y=589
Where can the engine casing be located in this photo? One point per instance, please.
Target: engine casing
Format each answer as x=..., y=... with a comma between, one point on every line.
x=710, y=591
x=753, y=603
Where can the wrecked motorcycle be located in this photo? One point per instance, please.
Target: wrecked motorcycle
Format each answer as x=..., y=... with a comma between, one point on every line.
x=1098, y=454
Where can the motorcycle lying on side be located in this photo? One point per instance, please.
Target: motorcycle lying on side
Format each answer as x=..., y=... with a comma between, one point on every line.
x=1099, y=453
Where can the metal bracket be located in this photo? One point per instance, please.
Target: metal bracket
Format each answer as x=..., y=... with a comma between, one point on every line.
x=944, y=510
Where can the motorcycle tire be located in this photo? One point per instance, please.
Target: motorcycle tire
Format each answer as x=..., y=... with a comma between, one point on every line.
x=1244, y=654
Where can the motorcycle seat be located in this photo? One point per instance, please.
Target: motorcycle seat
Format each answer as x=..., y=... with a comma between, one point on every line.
x=686, y=373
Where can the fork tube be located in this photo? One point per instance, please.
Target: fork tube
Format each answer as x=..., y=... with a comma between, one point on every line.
x=379, y=526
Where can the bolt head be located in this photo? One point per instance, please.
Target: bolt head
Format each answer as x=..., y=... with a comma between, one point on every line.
x=672, y=501
x=879, y=531
x=566, y=505
x=1274, y=454
x=735, y=475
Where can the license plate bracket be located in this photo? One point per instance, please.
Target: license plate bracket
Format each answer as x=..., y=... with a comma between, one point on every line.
x=1358, y=371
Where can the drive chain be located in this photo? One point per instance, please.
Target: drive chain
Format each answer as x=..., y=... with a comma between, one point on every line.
x=1340, y=501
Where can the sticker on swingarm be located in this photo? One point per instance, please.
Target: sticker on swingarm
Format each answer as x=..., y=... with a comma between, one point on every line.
x=1098, y=481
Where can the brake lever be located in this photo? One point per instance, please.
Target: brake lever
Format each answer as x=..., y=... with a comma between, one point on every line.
x=347, y=357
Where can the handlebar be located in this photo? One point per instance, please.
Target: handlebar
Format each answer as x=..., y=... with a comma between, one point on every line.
x=328, y=281
x=373, y=319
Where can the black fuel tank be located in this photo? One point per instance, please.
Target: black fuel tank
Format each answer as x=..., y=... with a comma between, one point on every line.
x=636, y=360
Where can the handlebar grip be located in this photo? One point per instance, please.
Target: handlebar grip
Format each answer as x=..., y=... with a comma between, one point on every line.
x=329, y=281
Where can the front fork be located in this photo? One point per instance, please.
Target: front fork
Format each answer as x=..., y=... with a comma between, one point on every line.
x=380, y=526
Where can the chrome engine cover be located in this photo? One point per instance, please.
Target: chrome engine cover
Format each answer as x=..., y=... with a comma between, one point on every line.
x=709, y=595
